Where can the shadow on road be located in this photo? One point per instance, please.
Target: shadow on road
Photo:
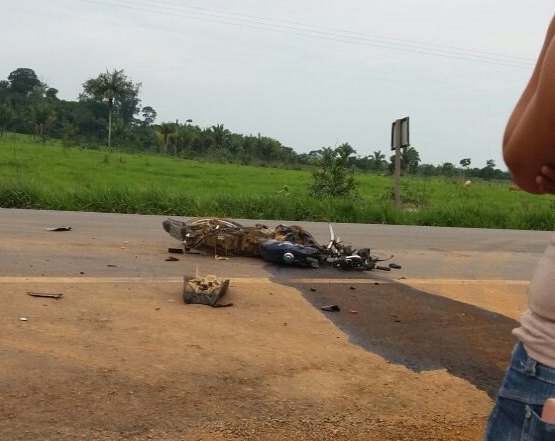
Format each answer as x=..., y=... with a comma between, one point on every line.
x=419, y=330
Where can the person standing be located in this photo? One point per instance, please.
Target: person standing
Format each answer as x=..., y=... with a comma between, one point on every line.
x=525, y=405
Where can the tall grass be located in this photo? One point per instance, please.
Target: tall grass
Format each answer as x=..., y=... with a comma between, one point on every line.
x=61, y=178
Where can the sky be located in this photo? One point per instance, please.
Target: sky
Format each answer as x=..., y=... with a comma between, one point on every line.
x=310, y=73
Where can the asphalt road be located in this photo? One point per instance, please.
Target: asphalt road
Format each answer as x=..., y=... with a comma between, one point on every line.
x=136, y=246
x=405, y=325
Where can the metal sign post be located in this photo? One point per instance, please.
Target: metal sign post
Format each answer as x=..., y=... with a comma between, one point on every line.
x=399, y=140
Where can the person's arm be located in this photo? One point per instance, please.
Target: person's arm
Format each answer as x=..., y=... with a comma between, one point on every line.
x=529, y=140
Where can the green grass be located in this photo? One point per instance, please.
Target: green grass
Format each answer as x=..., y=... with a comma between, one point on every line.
x=61, y=178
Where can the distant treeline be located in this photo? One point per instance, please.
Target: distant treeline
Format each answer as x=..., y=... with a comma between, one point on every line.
x=109, y=112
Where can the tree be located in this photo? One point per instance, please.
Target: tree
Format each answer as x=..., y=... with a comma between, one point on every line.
x=121, y=131
x=165, y=130
x=113, y=87
x=465, y=163
x=345, y=151
x=149, y=115
x=41, y=116
x=51, y=93
x=23, y=81
x=489, y=170
x=378, y=160
x=6, y=117
x=410, y=158
x=447, y=169
x=4, y=90
x=220, y=135
x=330, y=177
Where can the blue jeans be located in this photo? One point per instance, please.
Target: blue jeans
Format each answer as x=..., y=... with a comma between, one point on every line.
x=526, y=386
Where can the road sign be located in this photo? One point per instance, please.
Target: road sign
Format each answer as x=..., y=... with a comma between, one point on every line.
x=400, y=133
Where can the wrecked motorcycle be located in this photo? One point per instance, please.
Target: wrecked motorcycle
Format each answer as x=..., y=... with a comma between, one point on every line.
x=289, y=245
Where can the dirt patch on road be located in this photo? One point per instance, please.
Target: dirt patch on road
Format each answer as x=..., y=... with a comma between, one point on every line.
x=419, y=330
x=129, y=361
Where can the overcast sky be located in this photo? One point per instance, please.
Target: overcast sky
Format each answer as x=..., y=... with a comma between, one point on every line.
x=310, y=73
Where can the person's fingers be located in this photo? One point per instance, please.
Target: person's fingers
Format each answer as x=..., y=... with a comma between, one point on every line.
x=548, y=412
x=540, y=182
x=548, y=172
x=545, y=185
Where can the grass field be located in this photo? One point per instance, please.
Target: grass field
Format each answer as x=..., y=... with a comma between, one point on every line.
x=50, y=176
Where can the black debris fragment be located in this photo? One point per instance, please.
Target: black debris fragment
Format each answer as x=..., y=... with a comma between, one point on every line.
x=60, y=228
x=56, y=296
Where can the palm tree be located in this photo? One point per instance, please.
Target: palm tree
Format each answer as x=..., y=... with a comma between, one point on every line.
x=165, y=130
x=379, y=159
x=120, y=130
x=110, y=86
x=220, y=135
x=40, y=116
x=410, y=158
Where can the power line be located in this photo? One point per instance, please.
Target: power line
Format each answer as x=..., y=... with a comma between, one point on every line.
x=343, y=31
x=251, y=24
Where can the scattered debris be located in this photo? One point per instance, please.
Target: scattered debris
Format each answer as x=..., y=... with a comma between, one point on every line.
x=352, y=287
x=216, y=257
x=207, y=290
x=353, y=311
x=333, y=308
x=313, y=289
x=176, y=250
x=60, y=228
x=383, y=268
x=45, y=294
x=23, y=319
x=394, y=266
x=171, y=259
x=111, y=265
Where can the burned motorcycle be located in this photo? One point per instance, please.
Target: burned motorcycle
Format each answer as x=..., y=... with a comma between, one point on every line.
x=289, y=245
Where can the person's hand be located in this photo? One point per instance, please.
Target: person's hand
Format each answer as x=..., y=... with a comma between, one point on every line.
x=546, y=179
x=548, y=413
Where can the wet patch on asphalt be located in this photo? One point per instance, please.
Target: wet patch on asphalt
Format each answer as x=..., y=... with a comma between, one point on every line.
x=419, y=330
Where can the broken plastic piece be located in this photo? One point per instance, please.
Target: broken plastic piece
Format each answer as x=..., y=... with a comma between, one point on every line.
x=176, y=250
x=330, y=308
x=56, y=296
x=60, y=228
x=171, y=259
x=383, y=268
